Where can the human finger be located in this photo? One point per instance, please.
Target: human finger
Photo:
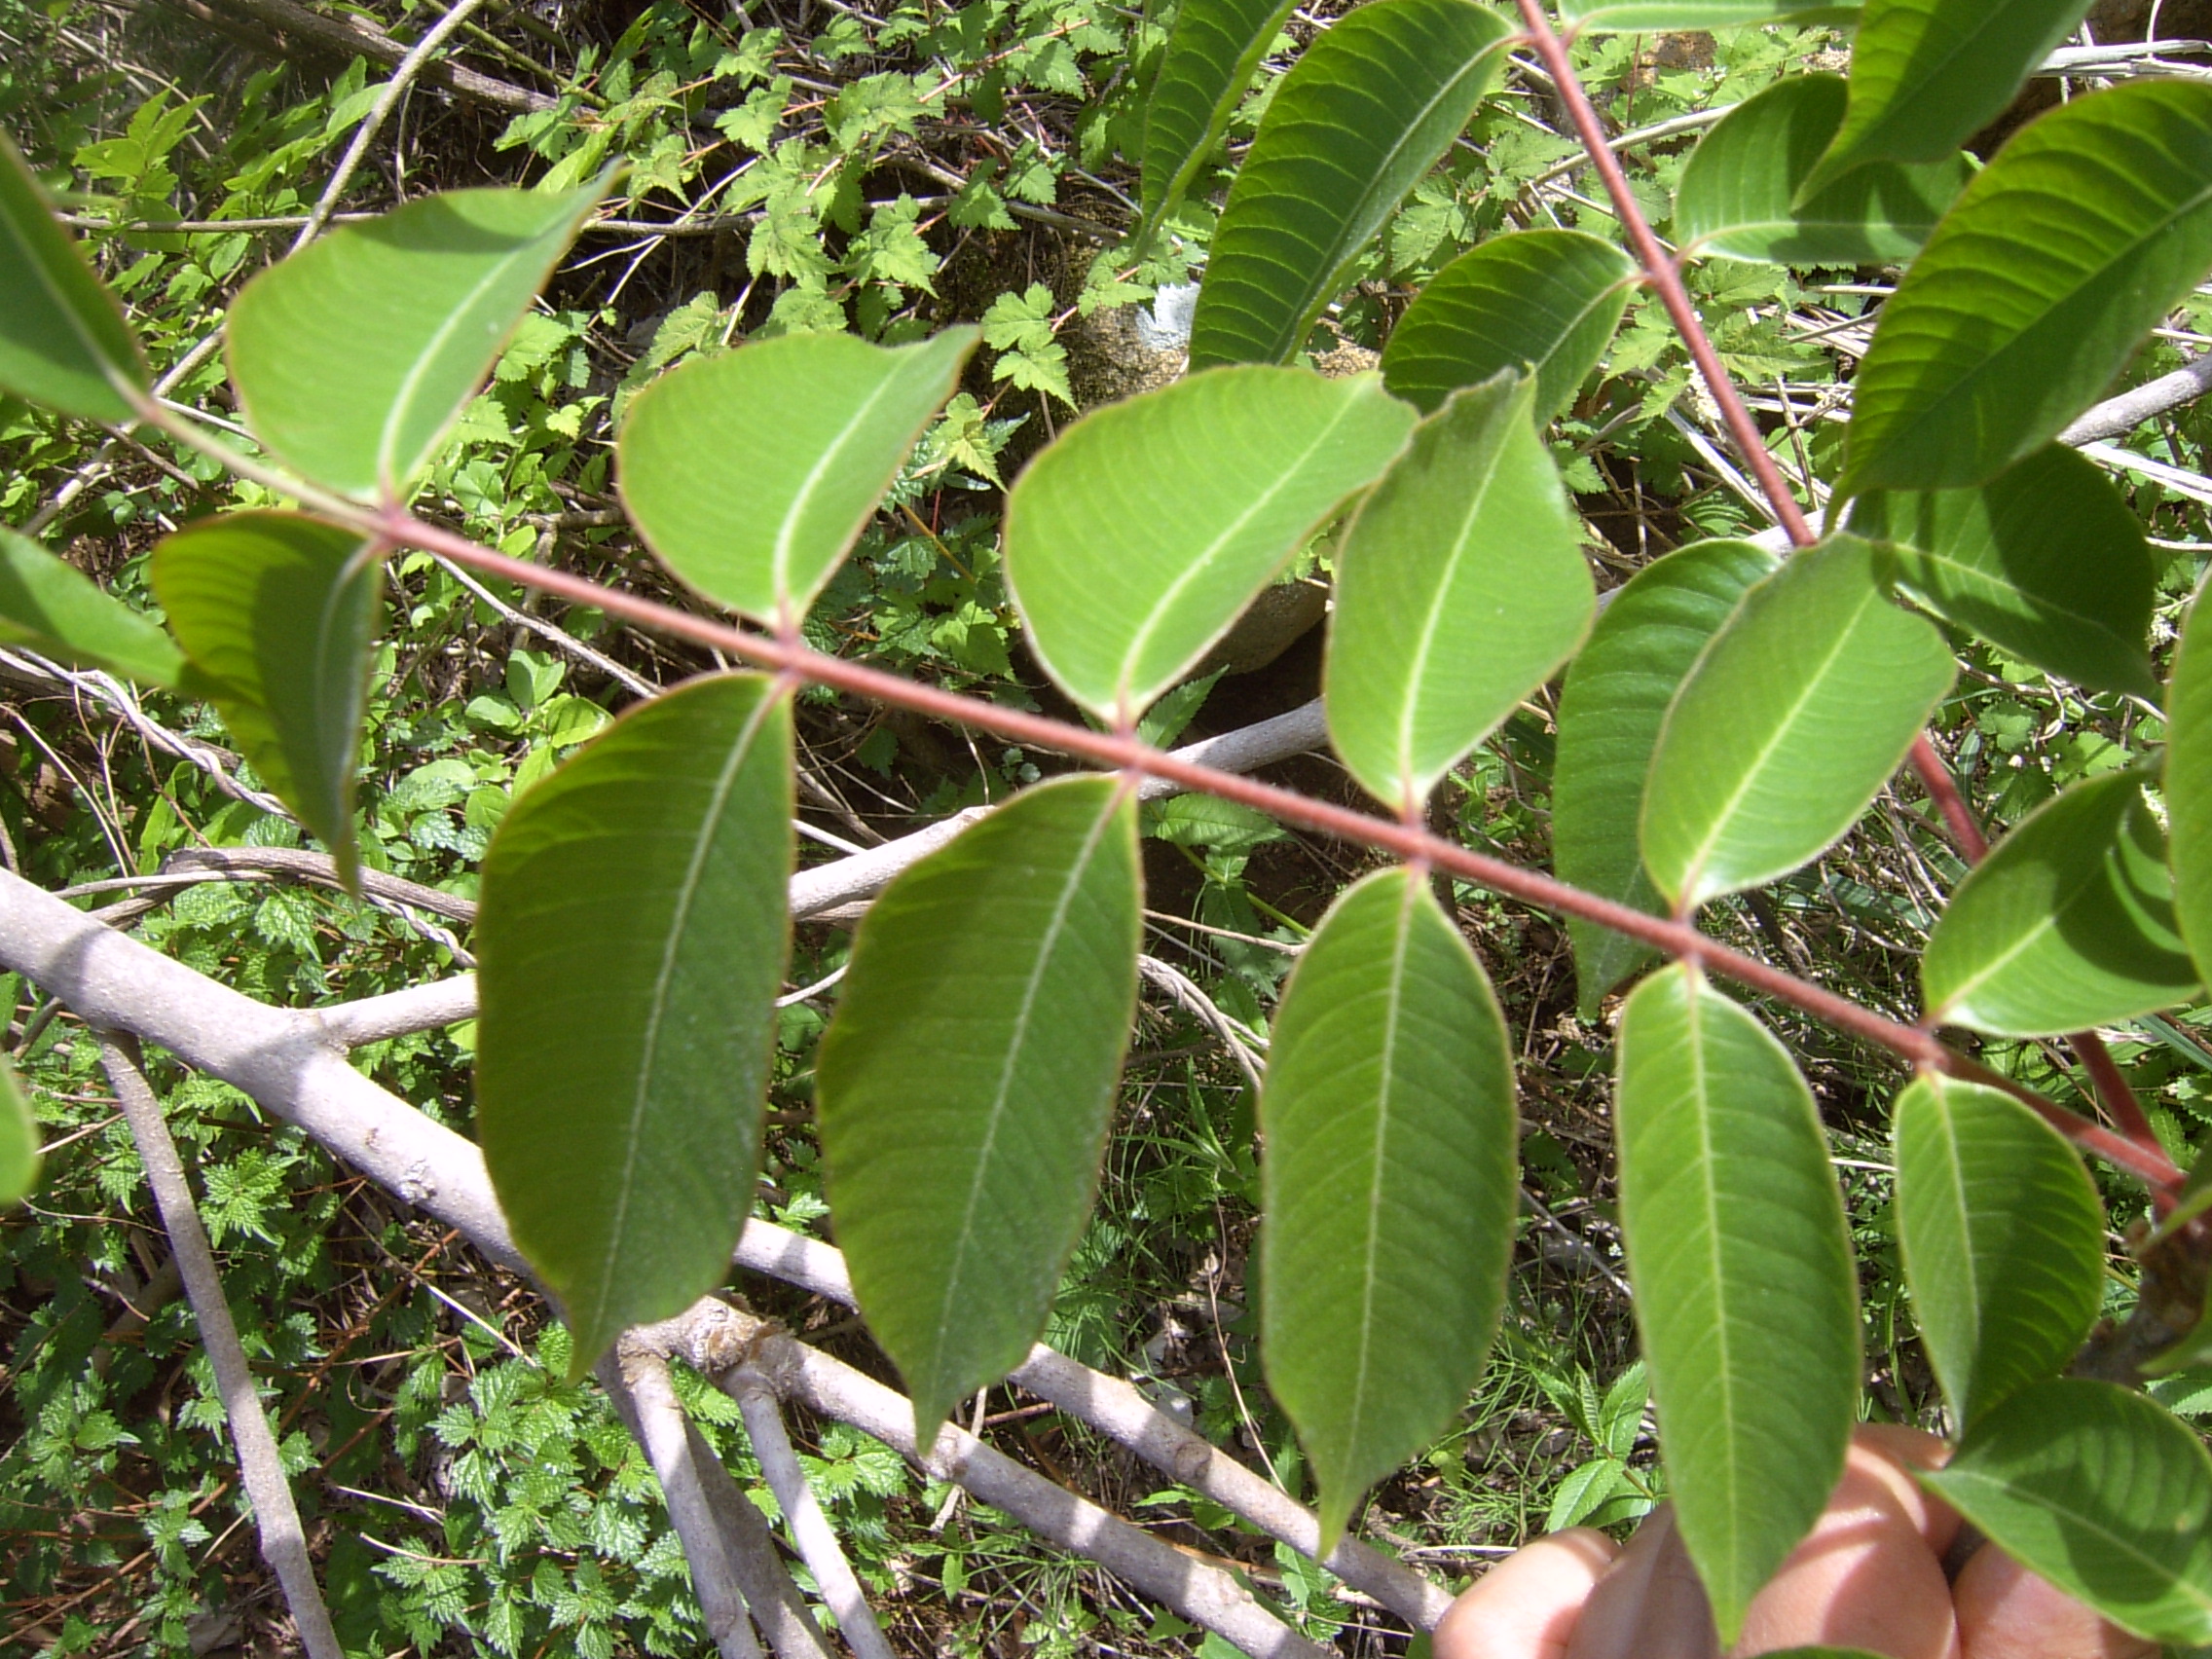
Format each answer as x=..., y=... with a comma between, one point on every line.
x=2004, y=1612
x=1650, y=1604
x=1526, y=1606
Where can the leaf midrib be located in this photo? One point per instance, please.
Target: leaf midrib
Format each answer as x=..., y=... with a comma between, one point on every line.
x=1724, y=1374
x=1902, y=90
x=2051, y=1506
x=2047, y=922
x=60, y=302
x=1369, y=1274
x=788, y=530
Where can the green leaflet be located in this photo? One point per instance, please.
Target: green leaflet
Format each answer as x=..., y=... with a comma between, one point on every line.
x=1612, y=17
x=2189, y=780
x=966, y=1082
x=2004, y=1240
x=1926, y=75
x=1739, y=193
x=1796, y=713
x=1609, y=714
x=1216, y=46
x=1543, y=301
x=815, y=425
x=2103, y=1493
x=2059, y=256
x=1388, y=1185
x=632, y=937
x=2068, y=924
x=278, y=613
x=352, y=357
x=1376, y=99
x=2044, y=561
x=64, y=341
x=1746, y=1295
x=58, y=611
x=1460, y=586
x=1133, y=542
x=18, y=1140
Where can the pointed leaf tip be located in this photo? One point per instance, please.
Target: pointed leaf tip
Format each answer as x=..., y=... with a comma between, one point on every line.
x=63, y=339
x=632, y=937
x=968, y=1077
x=1389, y=1185
x=1213, y=54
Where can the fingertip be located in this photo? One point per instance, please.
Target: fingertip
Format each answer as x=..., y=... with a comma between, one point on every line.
x=1902, y=1453
x=2004, y=1612
x=1526, y=1606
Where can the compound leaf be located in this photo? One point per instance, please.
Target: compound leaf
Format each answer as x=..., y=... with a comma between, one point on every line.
x=2068, y=924
x=1543, y=301
x=1798, y=710
x=2044, y=561
x=633, y=936
x=1609, y=714
x=58, y=611
x=2059, y=256
x=18, y=1140
x=1613, y=17
x=278, y=613
x=1739, y=193
x=1388, y=1182
x=966, y=1082
x=2002, y=1236
x=1376, y=99
x=1133, y=542
x=1460, y=586
x=1211, y=55
x=64, y=341
x=2100, y=1491
x=1746, y=1295
x=1926, y=75
x=352, y=357
x=814, y=425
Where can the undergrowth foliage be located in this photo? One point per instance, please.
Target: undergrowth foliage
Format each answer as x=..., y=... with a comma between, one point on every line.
x=1725, y=721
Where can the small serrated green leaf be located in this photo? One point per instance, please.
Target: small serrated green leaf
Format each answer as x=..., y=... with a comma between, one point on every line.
x=966, y=1080
x=633, y=935
x=2068, y=924
x=2100, y=1491
x=278, y=613
x=352, y=357
x=58, y=611
x=1211, y=55
x=1610, y=712
x=1353, y=126
x=1746, y=1295
x=1460, y=586
x=1739, y=195
x=2002, y=1236
x=18, y=1140
x=1133, y=542
x=1546, y=302
x=1389, y=1197
x=64, y=341
x=817, y=426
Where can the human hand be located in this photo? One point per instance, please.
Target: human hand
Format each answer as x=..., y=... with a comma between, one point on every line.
x=1871, y=1575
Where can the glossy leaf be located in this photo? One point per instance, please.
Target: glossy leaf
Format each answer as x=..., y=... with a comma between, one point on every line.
x=1388, y=1182
x=18, y=1140
x=1746, y=1295
x=2061, y=254
x=353, y=356
x=1926, y=75
x=2189, y=780
x=1460, y=586
x=966, y=1084
x=2068, y=924
x=1212, y=54
x=2004, y=1240
x=1542, y=301
x=1610, y=16
x=278, y=613
x=57, y=611
x=632, y=937
x=64, y=341
x=814, y=425
x=1609, y=714
x=1795, y=715
x=1353, y=126
x=1739, y=193
x=2103, y=1493
x=1133, y=542
x=2045, y=561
